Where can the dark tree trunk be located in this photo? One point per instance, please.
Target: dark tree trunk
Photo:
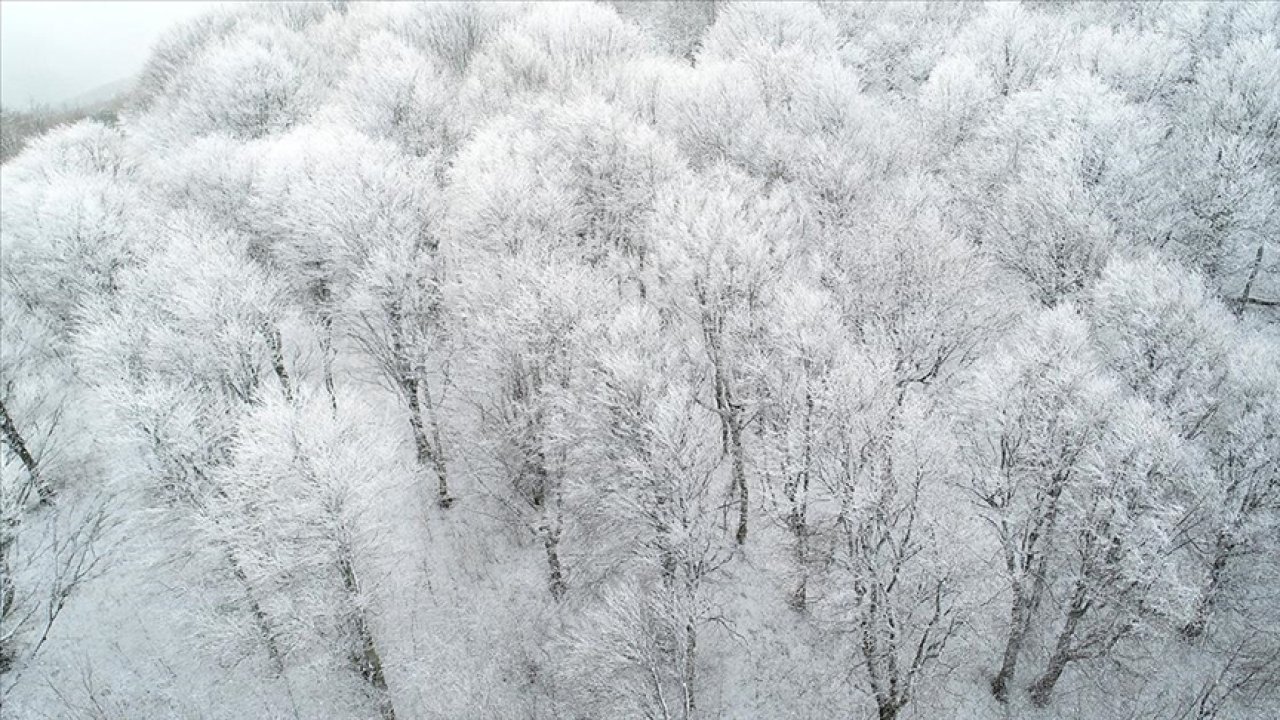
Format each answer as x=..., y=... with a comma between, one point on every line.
x=264, y=630
x=1019, y=622
x=7, y=594
x=1248, y=285
x=555, y=573
x=324, y=299
x=422, y=446
x=889, y=711
x=1042, y=689
x=366, y=659
x=731, y=425
x=259, y=615
x=666, y=555
x=798, y=495
x=428, y=450
x=880, y=659
x=542, y=497
x=7, y=590
x=443, y=498
x=276, y=344
x=739, y=478
x=19, y=446
x=1222, y=550
x=1027, y=562
x=261, y=622
x=326, y=350
x=800, y=594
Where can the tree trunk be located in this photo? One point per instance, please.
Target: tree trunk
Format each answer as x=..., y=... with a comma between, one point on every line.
x=326, y=357
x=259, y=615
x=666, y=555
x=730, y=430
x=19, y=447
x=276, y=344
x=7, y=590
x=1248, y=285
x=428, y=453
x=883, y=678
x=366, y=659
x=7, y=594
x=798, y=495
x=739, y=478
x=800, y=594
x=443, y=498
x=1027, y=561
x=1042, y=689
x=370, y=665
x=416, y=395
x=541, y=498
x=1209, y=595
x=324, y=299
x=329, y=385
x=555, y=573
x=422, y=446
x=262, y=623
x=889, y=711
x=689, y=670
x=1019, y=621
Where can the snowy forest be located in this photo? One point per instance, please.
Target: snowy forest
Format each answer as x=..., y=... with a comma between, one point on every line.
x=660, y=360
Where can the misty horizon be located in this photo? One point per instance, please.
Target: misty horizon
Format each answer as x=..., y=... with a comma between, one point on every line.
x=54, y=53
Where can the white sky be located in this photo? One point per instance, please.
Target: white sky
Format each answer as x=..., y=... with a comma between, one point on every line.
x=54, y=51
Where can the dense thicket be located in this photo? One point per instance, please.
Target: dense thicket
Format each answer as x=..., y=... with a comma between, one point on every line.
x=655, y=360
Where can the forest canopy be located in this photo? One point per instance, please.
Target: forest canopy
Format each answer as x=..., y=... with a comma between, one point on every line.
x=659, y=360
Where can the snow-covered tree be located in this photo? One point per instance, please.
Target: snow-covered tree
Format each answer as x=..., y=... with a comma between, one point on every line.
x=963, y=312
x=723, y=241
x=324, y=198
x=264, y=79
x=530, y=321
x=579, y=179
x=183, y=354
x=1219, y=171
x=1214, y=381
x=1085, y=489
x=392, y=92
x=555, y=53
x=654, y=449
x=296, y=498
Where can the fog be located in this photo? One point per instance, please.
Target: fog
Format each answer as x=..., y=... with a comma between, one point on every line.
x=53, y=52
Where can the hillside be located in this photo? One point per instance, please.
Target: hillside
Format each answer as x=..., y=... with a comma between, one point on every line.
x=651, y=360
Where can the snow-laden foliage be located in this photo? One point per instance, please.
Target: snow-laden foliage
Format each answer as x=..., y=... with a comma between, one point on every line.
x=652, y=360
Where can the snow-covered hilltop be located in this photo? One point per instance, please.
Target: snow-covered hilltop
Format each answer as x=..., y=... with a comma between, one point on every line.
x=652, y=360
